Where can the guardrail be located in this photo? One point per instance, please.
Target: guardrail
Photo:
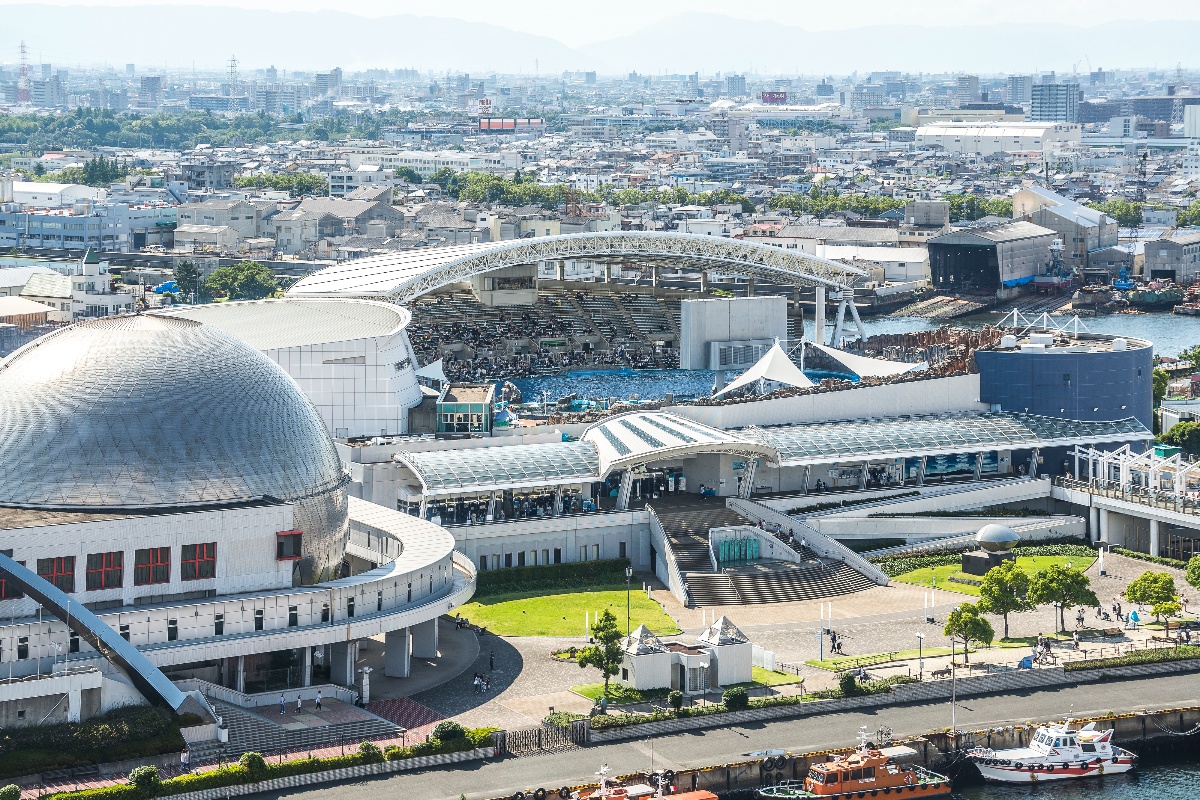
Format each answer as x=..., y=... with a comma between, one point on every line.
x=674, y=578
x=1141, y=495
x=816, y=541
x=233, y=697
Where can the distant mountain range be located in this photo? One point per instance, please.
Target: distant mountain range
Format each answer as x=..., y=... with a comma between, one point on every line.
x=179, y=36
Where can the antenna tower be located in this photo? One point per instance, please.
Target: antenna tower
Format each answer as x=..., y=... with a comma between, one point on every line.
x=233, y=74
x=23, y=87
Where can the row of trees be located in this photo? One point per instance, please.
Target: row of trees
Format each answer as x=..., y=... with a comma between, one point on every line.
x=245, y=280
x=1007, y=589
x=1128, y=213
x=296, y=184
x=525, y=190
x=822, y=203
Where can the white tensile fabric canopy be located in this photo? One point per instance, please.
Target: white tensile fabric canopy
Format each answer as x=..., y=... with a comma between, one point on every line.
x=774, y=366
x=433, y=372
x=868, y=367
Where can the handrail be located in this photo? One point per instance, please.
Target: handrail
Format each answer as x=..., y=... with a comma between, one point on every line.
x=1133, y=494
x=818, y=542
x=925, y=493
x=260, y=699
x=674, y=581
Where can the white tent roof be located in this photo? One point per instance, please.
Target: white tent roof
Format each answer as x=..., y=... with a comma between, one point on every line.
x=774, y=366
x=433, y=372
x=868, y=367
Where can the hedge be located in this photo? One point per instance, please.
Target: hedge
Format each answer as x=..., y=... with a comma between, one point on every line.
x=239, y=773
x=1158, y=656
x=124, y=733
x=853, y=501
x=659, y=715
x=901, y=564
x=1159, y=560
x=572, y=576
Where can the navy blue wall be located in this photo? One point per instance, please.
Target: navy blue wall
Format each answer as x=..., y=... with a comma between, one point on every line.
x=1102, y=386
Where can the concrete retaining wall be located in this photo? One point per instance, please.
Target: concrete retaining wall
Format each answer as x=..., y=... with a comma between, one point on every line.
x=905, y=693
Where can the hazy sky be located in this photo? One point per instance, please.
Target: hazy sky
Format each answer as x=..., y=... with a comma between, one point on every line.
x=576, y=23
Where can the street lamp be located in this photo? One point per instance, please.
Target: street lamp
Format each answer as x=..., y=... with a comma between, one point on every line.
x=628, y=583
x=920, y=656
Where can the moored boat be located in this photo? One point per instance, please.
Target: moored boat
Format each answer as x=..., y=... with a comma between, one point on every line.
x=865, y=773
x=1054, y=753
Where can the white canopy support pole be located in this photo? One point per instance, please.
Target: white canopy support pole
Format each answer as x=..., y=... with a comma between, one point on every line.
x=848, y=296
x=840, y=322
x=623, y=491
x=819, y=317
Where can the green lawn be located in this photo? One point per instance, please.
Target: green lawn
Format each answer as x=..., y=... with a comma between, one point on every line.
x=618, y=692
x=562, y=614
x=875, y=659
x=1030, y=564
x=768, y=677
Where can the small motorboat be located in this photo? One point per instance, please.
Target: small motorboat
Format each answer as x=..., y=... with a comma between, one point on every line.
x=1055, y=753
x=867, y=773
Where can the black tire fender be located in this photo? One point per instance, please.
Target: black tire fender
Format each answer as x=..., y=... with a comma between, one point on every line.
x=564, y=793
x=539, y=794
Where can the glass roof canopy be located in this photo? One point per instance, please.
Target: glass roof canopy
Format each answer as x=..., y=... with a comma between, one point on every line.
x=640, y=437
x=935, y=435
x=505, y=467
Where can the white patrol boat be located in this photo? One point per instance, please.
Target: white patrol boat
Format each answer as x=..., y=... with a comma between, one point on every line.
x=1055, y=753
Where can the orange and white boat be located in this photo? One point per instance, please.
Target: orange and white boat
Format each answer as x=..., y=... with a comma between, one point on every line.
x=1055, y=753
x=864, y=773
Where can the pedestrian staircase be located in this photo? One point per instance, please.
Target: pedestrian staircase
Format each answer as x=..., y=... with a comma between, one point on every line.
x=686, y=530
x=251, y=732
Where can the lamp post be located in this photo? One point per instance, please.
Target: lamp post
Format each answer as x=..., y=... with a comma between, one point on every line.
x=920, y=656
x=628, y=618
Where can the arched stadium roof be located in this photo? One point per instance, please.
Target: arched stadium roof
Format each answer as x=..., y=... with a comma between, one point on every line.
x=404, y=276
x=642, y=437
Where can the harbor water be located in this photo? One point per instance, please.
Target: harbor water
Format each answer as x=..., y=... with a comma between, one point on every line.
x=1173, y=779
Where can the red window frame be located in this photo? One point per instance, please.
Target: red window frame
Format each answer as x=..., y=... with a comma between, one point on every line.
x=105, y=570
x=198, y=562
x=288, y=545
x=59, y=570
x=157, y=558
x=5, y=592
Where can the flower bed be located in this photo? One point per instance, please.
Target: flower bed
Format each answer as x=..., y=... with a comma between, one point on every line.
x=252, y=768
x=1159, y=656
x=623, y=720
x=1159, y=560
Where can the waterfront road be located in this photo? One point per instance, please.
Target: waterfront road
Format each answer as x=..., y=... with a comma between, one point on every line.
x=503, y=777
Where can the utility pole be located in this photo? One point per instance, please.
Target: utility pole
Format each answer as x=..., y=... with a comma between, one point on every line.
x=23, y=87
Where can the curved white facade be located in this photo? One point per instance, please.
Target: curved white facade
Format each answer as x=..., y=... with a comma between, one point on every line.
x=351, y=358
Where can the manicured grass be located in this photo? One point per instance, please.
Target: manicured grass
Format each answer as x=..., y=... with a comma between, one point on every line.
x=618, y=692
x=1030, y=564
x=768, y=677
x=876, y=659
x=562, y=614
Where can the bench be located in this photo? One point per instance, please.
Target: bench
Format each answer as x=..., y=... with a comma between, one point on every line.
x=1113, y=632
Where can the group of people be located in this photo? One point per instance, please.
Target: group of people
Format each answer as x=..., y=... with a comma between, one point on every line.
x=482, y=683
x=299, y=703
x=835, y=642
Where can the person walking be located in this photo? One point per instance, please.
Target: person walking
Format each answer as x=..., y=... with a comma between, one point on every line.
x=318, y=705
x=492, y=661
x=299, y=703
x=282, y=705
x=185, y=760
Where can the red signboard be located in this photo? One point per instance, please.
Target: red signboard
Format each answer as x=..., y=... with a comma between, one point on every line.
x=774, y=98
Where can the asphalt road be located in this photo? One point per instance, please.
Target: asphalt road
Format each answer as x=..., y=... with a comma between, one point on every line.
x=722, y=745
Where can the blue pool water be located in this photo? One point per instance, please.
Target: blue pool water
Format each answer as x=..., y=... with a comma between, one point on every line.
x=646, y=384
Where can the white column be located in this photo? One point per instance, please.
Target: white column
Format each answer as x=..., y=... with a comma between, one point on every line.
x=74, y=704
x=819, y=317
x=1153, y=536
x=341, y=663
x=1094, y=523
x=1105, y=533
x=425, y=639
x=978, y=466
x=623, y=491
x=241, y=674
x=397, y=654
x=306, y=666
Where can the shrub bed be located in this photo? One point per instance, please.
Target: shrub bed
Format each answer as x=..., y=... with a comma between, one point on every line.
x=1160, y=656
x=1159, y=560
x=252, y=768
x=624, y=720
x=900, y=564
x=572, y=577
x=854, y=501
x=131, y=732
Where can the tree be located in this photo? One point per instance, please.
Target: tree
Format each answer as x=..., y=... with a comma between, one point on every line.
x=1154, y=589
x=1003, y=591
x=409, y=174
x=606, y=654
x=1160, y=378
x=1062, y=585
x=1193, y=571
x=1185, y=435
x=245, y=280
x=1191, y=354
x=735, y=699
x=967, y=624
x=187, y=278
